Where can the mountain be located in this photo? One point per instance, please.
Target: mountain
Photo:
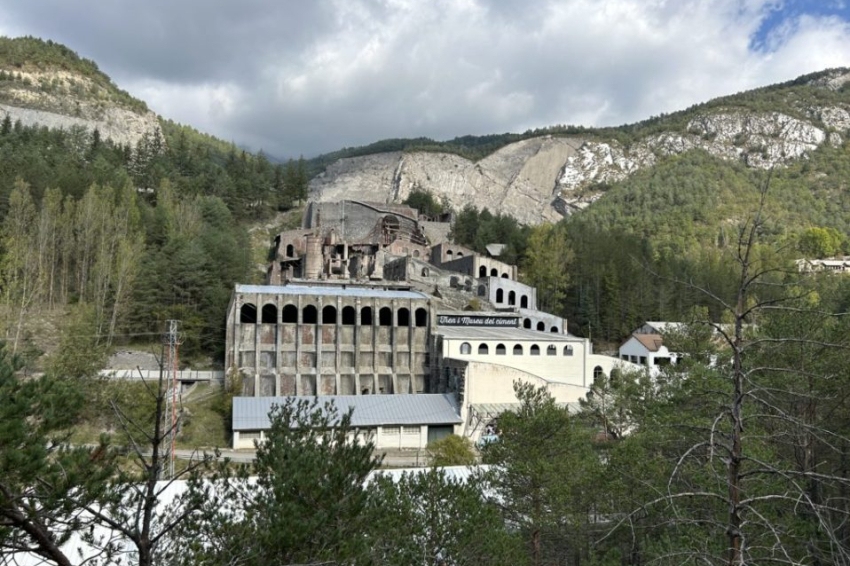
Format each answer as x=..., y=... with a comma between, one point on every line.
x=545, y=175
x=46, y=84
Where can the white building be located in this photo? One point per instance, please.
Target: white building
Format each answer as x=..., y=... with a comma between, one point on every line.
x=648, y=350
x=480, y=365
x=392, y=421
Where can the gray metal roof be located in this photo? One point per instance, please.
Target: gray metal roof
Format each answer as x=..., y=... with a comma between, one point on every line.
x=324, y=290
x=252, y=413
x=502, y=333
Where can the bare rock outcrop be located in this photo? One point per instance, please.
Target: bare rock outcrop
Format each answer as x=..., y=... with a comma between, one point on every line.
x=543, y=178
x=62, y=100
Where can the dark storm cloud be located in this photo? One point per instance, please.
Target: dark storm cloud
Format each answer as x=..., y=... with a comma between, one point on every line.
x=298, y=78
x=196, y=41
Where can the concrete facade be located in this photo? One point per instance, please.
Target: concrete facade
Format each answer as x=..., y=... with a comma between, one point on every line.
x=321, y=340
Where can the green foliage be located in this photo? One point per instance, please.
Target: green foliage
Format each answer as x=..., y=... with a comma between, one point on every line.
x=44, y=483
x=425, y=203
x=476, y=229
x=308, y=505
x=30, y=54
x=453, y=450
x=429, y=518
x=820, y=242
x=539, y=447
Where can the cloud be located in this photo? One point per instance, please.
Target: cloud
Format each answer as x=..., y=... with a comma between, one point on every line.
x=309, y=77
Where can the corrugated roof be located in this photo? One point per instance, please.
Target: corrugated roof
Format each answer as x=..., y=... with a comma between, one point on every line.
x=252, y=413
x=330, y=290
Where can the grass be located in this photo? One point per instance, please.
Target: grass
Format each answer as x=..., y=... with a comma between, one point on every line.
x=205, y=425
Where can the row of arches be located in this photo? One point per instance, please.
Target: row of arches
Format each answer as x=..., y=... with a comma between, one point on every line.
x=517, y=350
x=500, y=297
x=540, y=327
x=329, y=315
x=482, y=272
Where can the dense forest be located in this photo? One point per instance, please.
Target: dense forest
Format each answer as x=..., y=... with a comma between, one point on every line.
x=132, y=235
x=621, y=261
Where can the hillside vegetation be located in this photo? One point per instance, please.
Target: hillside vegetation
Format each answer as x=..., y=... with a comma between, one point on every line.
x=121, y=237
x=32, y=64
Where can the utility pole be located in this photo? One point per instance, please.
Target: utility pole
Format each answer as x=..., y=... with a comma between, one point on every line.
x=171, y=345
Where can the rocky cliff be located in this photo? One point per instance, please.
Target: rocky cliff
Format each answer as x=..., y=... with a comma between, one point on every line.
x=61, y=99
x=543, y=178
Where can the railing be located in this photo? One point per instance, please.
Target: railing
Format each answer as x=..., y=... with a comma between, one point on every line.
x=153, y=375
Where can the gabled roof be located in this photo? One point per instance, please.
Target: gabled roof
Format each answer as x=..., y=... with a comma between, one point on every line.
x=252, y=413
x=651, y=342
x=660, y=326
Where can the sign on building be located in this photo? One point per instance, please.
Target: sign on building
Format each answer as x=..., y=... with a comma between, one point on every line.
x=473, y=320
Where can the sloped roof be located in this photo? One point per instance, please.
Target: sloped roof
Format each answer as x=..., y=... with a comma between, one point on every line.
x=252, y=413
x=651, y=342
x=665, y=326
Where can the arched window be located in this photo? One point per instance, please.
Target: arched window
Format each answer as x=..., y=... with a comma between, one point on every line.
x=500, y=296
x=309, y=315
x=269, y=315
x=248, y=314
x=526, y=323
x=449, y=255
x=483, y=349
x=523, y=302
x=482, y=271
x=349, y=316
x=554, y=330
x=551, y=350
x=505, y=276
x=500, y=350
x=597, y=372
x=494, y=272
x=290, y=250
x=535, y=350
x=482, y=291
x=517, y=350
x=466, y=348
x=421, y=317
x=424, y=272
x=403, y=317
x=541, y=326
x=329, y=315
x=385, y=317
x=568, y=350
x=415, y=253
x=453, y=280
x=290, y=314
x=459, y=255
x=511, y=298
x=366, y=316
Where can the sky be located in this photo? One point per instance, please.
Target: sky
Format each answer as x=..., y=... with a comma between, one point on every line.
x=304, y=77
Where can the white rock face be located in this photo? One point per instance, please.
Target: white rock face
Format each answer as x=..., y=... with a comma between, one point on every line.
x=519, y=179
x=116, y=124
x=66, y=100
x=541, y=179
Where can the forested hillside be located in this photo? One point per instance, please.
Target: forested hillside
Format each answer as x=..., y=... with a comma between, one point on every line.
x=618, y=263
x=124, y=237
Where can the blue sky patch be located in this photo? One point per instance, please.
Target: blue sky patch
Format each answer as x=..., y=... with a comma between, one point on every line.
x=788, y=12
